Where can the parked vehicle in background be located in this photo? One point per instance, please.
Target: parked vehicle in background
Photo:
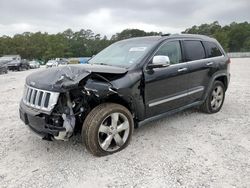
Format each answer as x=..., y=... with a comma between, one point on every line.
x=129, y=83
x=34, y=64
x=84, y=60
x=41, y=62
x=10, y=61
x=51, y=63
x=14, y=62
x=3, y=67
x=24, y=65
x=73, y=61
x=78, y=60
x=62, y=61
x=9, y=58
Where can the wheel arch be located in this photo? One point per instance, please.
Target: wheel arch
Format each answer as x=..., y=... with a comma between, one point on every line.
x=120, y=100
x=222, y=76
x=223, y=79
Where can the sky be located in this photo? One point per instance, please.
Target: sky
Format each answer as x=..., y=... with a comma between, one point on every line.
x=108, y=17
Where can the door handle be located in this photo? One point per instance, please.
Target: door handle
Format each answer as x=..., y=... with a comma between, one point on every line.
x=210, y=63
x=182, y=69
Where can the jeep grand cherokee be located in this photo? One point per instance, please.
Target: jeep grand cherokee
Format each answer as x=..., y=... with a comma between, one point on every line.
x=126, y=85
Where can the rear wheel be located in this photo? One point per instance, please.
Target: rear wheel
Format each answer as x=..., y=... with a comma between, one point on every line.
x=107, y=129
x=215, y=98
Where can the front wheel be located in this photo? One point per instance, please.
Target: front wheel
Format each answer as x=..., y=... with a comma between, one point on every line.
x=215, y=98
x=107, y=129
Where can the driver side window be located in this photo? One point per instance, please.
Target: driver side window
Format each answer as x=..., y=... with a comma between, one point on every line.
x=171, y=49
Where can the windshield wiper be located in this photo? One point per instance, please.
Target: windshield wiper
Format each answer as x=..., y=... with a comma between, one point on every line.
x=101, y=64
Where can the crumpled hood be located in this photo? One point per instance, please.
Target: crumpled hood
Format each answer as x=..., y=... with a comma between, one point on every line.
x=67, y=77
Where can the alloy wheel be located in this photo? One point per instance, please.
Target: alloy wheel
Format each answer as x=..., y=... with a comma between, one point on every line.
x=113, y=132
x=217, y=97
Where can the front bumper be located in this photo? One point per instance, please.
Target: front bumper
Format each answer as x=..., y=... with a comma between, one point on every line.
x=37, y=122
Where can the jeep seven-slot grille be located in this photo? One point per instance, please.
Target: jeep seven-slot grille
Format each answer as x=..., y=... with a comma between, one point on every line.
x=40, y=99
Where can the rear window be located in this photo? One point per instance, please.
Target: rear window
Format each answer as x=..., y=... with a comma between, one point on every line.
x=194, y=50
x=212, y=49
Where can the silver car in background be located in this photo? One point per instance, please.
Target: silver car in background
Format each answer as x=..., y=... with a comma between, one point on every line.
x=51, y=63
x=34, y=64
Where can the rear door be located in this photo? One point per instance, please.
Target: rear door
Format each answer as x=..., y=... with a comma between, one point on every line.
x=166, y=88
x=199, y=68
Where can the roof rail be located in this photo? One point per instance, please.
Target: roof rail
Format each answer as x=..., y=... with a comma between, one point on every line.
x=165, y=35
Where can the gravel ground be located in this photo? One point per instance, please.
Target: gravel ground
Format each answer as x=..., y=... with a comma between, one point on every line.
x=188, y=149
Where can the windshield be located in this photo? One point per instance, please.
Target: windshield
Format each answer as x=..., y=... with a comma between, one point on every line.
x=123, y=53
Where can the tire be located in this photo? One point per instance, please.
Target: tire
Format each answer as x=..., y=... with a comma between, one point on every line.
x=107, y=129
x=215, y=98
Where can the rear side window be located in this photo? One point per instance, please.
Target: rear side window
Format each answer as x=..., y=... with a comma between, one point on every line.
x=212, y=49
x=194, y=50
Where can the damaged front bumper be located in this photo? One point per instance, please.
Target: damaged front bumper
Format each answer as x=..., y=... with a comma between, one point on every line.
x=37, y=123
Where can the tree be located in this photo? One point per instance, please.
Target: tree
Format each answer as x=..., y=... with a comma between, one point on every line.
x=234, y=38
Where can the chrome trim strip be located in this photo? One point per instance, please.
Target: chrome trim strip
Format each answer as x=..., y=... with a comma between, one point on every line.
x=205, y=59
x=196, y=90
x=176, y=97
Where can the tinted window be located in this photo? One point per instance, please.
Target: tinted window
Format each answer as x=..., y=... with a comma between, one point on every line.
x=212, y=49
x=172, y=50
x=194, y=50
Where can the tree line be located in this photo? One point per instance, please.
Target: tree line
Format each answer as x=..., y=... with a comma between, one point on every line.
x=85, y=43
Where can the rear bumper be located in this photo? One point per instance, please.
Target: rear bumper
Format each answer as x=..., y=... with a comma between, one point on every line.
x=37, y=123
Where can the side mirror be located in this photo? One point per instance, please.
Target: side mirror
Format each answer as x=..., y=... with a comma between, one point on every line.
x=159, y=61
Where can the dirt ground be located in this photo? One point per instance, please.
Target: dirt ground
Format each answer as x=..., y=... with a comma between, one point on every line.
x=188, y=149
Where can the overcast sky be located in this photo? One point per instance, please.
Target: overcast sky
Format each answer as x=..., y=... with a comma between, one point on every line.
x=110, y=16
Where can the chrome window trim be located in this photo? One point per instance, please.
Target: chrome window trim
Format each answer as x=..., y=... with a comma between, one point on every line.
x=205, y=59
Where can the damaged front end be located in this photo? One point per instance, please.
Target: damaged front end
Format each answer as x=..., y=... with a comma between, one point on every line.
x=56, y=101
x=40, y=110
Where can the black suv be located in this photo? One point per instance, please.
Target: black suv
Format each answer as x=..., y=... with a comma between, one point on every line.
x=127, y=84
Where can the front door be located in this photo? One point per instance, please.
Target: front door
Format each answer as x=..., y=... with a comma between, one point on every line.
x=166, y=88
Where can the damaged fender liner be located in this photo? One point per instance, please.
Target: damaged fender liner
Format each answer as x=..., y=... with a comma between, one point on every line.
x=37, y=124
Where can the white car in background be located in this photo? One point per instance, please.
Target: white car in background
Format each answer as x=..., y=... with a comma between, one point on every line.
x=34, y=64
x=51, y=63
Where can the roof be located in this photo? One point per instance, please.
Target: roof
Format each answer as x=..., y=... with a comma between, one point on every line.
x=164, y=37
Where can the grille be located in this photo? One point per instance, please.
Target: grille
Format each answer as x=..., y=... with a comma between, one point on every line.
x=40, y=99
